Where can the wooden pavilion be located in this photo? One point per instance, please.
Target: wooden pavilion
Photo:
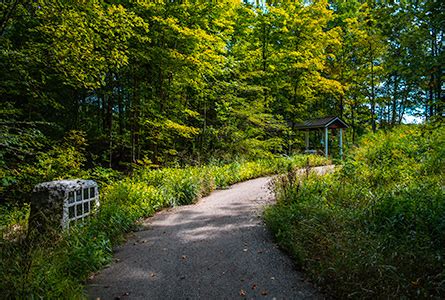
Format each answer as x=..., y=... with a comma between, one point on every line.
x=320, y=124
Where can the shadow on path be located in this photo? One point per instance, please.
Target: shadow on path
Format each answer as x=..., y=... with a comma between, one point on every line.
x=218, y=248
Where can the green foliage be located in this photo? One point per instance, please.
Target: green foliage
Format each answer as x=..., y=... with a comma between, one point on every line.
x=176, y=83
x=104, y=176
x=58, y=268
x=65, y=160
x=13, y=219
x=181, y=83
x=375, y=227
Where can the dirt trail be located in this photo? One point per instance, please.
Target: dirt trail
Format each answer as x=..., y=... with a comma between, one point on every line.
x=218, y=248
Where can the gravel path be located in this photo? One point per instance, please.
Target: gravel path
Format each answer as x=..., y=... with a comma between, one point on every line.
x=218, y=248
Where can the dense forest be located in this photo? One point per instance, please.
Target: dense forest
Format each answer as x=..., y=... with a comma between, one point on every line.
x=161, y=102
x=98, y=84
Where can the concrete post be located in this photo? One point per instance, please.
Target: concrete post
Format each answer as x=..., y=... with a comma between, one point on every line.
x=57, y=204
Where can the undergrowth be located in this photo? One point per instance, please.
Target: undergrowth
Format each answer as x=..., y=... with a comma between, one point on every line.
x=57, y=267
x=376, y=227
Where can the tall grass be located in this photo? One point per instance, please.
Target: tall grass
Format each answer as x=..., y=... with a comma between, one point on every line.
x=375, y=228
x=58, y=267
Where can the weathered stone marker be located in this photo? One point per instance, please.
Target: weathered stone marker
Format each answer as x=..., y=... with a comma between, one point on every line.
x=57, y=204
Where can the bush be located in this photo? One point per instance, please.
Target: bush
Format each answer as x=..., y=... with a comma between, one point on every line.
x=375, y=228
x=64, y=160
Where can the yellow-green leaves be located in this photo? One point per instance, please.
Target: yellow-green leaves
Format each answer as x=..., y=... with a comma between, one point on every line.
x=86, y=42
x=181, y=130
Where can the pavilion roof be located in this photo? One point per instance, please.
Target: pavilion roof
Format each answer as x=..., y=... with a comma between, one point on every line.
x=330, y=122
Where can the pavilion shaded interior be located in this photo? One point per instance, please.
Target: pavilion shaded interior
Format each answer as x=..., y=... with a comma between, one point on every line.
x=326, y=123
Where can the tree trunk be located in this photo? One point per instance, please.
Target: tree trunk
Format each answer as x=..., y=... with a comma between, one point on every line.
x=264, y=57
x=110, y=127
x=120, y=105
x=104, y=114
x=353, y=107
x=373, y=123
x=394, y=102
x=134, y=121
x=341, y=106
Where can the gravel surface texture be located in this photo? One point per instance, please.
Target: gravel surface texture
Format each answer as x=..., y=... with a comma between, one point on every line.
x=218, y=248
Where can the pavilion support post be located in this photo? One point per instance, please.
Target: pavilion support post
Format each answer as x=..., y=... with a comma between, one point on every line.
x=307, y=139
x=341, y=143
x=326, y=142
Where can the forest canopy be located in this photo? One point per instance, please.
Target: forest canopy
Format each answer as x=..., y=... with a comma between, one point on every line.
x=119, y=83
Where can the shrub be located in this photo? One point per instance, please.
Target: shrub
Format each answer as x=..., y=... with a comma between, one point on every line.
x=64, y=160
x=373, y=229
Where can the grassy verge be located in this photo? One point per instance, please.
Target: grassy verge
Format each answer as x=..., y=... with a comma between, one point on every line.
x=375, y=228
x=58, y=267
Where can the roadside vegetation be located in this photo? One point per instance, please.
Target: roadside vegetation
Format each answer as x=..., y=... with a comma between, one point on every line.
x=376, y=227
x=57, y=267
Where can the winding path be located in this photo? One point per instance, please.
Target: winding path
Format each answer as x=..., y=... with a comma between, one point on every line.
x=218, y=248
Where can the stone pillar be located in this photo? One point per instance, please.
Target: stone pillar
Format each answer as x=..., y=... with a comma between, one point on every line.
x=57, y=204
